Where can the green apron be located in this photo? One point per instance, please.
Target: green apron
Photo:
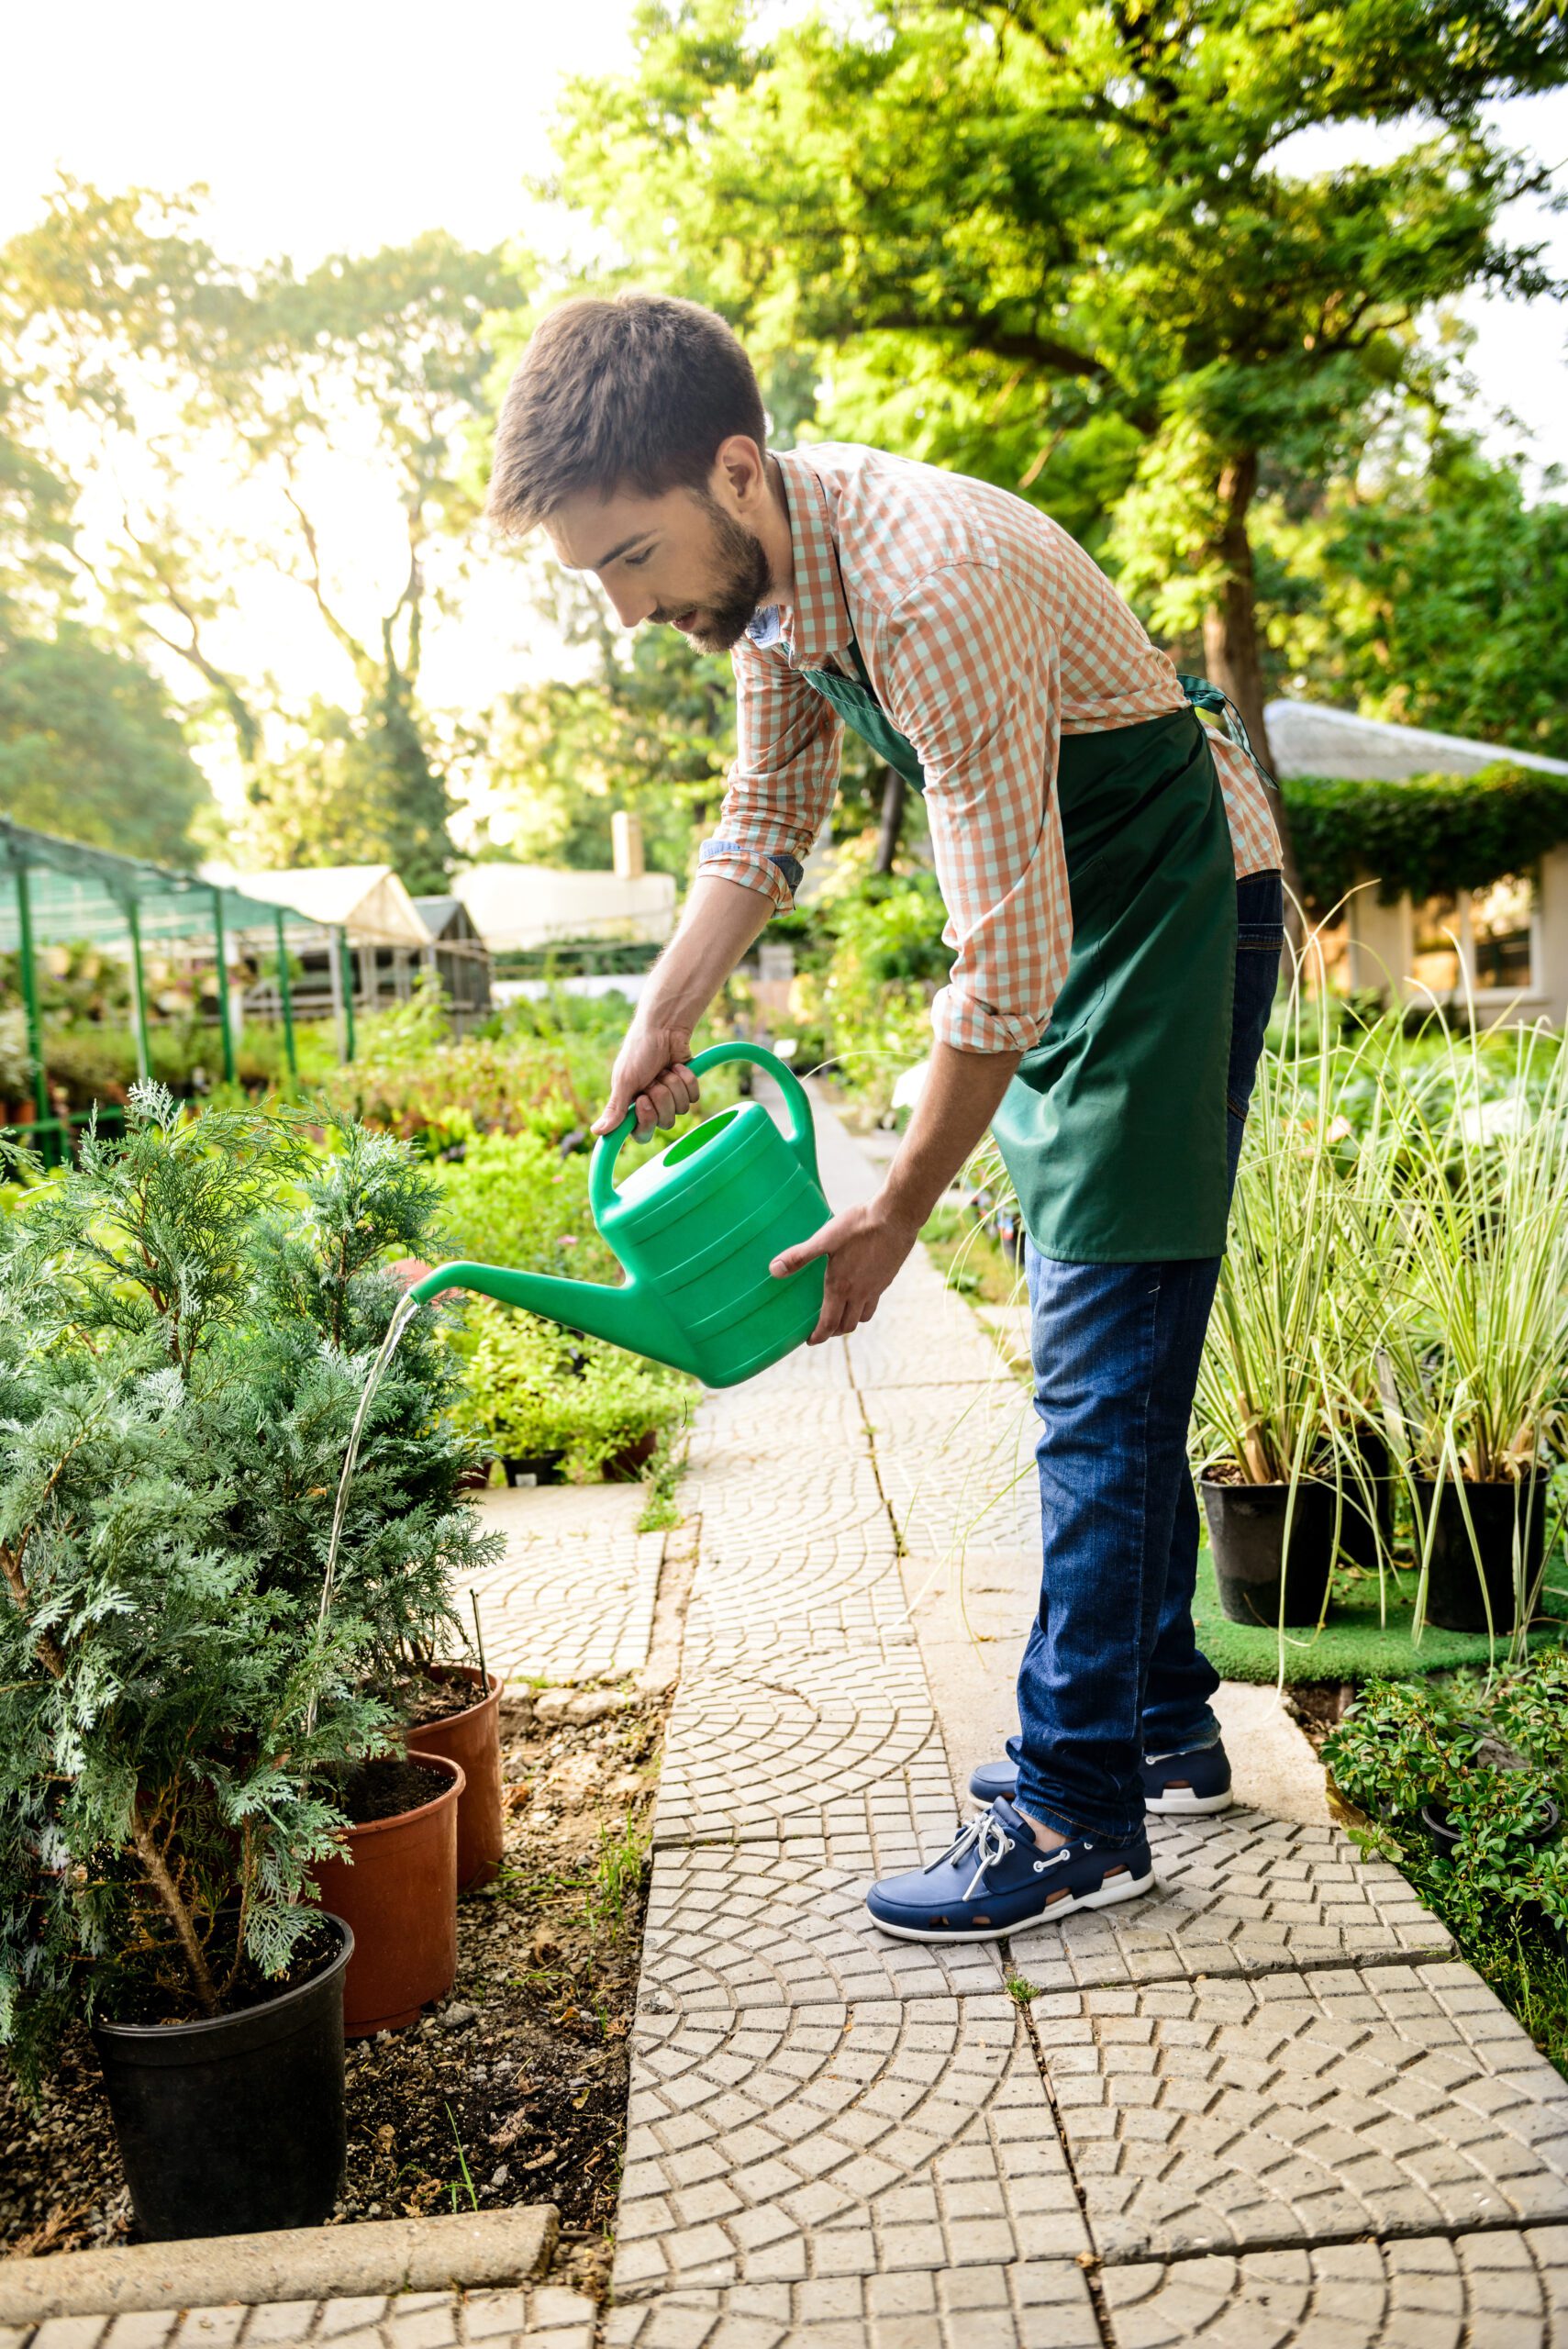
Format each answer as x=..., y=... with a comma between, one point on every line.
x=1113, y=1128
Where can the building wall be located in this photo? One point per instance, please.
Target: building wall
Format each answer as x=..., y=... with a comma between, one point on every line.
x=1382, y=939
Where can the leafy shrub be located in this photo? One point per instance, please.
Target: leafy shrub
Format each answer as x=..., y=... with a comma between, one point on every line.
x=534, y=1387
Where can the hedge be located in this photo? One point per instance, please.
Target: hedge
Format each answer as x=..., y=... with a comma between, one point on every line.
x=1432, y=836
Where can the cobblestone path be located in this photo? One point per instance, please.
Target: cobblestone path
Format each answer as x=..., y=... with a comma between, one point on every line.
x=1264, y=2109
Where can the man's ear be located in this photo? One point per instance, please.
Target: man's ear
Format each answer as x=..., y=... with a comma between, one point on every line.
x=740, y=474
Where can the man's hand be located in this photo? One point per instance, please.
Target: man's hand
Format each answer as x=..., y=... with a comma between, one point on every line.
x=864, y=1247
x=651, y=1075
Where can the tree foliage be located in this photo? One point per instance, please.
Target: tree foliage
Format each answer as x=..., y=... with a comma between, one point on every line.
x=131, y=342
x=90, y=746
x=1066, y=245
x=1431, y=836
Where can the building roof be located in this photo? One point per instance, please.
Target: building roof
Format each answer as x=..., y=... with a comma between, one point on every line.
x=447, y=920
x=518, y=907
x=1309, y=739
x=369, y=901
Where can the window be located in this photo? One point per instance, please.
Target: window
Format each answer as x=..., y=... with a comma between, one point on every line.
x=1484, y=940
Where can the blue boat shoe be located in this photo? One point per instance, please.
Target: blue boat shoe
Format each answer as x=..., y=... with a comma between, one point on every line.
x=1196, y=1780
x=996, y=1879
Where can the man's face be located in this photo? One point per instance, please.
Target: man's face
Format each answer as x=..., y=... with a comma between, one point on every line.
x=681, y=560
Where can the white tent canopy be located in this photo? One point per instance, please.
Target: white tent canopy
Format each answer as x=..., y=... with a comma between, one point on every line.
x=368, y=901
x=1307, y=739
x=518, y=908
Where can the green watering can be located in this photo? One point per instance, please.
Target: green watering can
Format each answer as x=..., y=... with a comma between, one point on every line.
x=696, y=1229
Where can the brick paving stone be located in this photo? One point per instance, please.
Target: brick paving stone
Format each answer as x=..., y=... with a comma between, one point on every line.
x=215, y=2328
x=793, y=2145
x=1507, y=2290
x=1031, y=2304
x=784, y=1924
x=922, y=1334
x=841, y=1599
x=1241, y=2113
x=770, y=1750
x=1238, y=1893
x=572, y=1600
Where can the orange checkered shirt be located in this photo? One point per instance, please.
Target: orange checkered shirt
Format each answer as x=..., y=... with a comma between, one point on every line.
x=987, y=634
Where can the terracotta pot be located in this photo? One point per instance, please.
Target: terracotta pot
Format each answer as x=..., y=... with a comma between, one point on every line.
x=397, y=1894
x=625, y=1467
x=472, y=1739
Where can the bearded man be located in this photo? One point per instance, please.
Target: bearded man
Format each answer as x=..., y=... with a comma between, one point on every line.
x=1110, y=871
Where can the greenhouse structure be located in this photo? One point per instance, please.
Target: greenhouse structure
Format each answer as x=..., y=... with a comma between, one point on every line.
x=56, y=892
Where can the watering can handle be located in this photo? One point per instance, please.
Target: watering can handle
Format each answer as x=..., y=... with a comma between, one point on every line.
x=802, y=1132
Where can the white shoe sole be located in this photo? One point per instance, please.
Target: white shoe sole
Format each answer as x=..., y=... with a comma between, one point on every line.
x=1118, y=1888
x=1182, y=1798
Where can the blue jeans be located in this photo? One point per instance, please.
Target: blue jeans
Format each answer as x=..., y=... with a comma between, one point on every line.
x=1113, y=1669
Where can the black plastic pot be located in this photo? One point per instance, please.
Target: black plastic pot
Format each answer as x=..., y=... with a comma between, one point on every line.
x=1363, y=1527
x=1245, y=1533
x=1445, y=1837
x=1454, y=1597
x=533, y=1467
x=236, y=2125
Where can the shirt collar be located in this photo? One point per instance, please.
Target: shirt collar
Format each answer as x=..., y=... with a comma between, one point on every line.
x=819, y=620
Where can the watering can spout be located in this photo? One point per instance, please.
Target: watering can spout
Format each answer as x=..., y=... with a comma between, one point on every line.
x=625, y=1317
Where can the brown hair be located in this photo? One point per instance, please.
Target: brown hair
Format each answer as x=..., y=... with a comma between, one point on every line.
x=639, y=390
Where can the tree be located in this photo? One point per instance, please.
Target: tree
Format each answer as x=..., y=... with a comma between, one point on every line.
x=117, y=316
x=1432, y=593
x=89, y=747
x=1059, y=244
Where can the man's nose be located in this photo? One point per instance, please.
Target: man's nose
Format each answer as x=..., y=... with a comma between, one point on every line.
x=632, y=604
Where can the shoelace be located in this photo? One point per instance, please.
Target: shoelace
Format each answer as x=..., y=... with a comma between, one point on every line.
x=985, y=1838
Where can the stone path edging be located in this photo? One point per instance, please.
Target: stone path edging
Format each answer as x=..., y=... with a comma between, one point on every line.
x=380, y=2256
x=1275, y=2064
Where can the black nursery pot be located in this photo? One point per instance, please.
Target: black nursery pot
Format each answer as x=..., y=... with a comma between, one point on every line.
x=533, y=1467
x=1360, y=1529
x=234, y=2126
x=1445, y=1837
x=1454, y=1601
x=1245, y=1533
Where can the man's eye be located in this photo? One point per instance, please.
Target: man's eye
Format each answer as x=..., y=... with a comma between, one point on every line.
x=636, y=561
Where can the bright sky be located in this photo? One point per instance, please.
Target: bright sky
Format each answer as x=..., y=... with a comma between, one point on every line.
x=342, y=126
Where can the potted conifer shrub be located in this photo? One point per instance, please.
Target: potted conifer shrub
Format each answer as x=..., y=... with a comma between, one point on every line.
x=167, y=1711
x=327, y=1292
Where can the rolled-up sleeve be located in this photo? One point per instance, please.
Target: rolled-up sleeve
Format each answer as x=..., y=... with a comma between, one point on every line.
x=787, y=741
x=970, y=672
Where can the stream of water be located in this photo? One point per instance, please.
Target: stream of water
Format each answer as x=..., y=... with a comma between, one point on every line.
x=406, y=1309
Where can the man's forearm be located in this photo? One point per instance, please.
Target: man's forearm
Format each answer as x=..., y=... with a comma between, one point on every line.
x=722, y=920
x=957, y=1103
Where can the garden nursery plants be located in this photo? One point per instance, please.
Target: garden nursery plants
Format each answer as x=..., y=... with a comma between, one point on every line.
x=186, y=1729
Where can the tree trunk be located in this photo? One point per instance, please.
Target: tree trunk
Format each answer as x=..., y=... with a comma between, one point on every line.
x=895, y=796
x=1231, y=651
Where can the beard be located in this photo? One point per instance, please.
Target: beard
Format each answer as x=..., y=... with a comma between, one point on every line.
x=740, y=583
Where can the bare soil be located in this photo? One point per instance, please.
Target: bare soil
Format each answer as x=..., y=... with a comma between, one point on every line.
x=514, y=2090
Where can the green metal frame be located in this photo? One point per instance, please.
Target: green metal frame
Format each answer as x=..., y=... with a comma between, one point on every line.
x=30, y=995
x=224, y=1011
x=67, y=891
x=138, y=988
x=285, y=996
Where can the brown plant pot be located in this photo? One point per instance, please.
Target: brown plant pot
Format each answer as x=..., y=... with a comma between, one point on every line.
x=397, y=1891
x=472, y=1739
x=625, y=1467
